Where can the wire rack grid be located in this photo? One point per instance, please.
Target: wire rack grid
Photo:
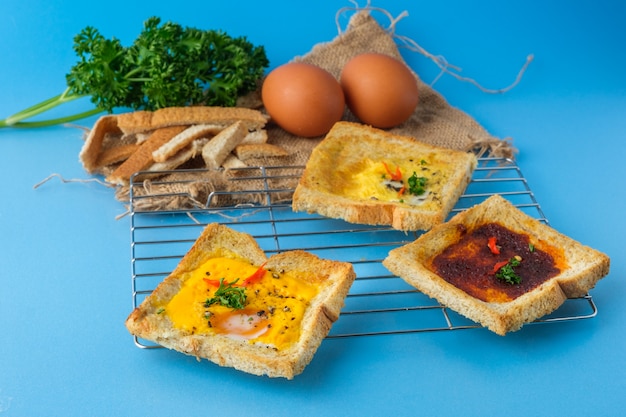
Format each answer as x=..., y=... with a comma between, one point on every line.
x=378, y=303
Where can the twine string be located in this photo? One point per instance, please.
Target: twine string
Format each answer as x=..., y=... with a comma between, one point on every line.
x=440, y=61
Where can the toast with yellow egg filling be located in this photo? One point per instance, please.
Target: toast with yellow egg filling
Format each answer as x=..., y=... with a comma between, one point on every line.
x=369, y=176
x=227, y=302
x=498, y=266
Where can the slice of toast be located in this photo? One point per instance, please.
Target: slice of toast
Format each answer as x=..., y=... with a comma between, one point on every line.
x=498, y=266
x=370, y=176
x=291, y=301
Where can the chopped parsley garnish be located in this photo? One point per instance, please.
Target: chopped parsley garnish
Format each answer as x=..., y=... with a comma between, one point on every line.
x=417, y=185
x=507, y=274
x=228, y=295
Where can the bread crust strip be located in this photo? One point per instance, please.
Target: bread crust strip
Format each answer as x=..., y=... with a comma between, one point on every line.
x=142, y=157
x=232, y=162
x=255, y=136
x=90, y=153
x=222, y=144
x=141, y=121
x=259, y=150
x=116, y=154
x=182, y=156
x=184, y=138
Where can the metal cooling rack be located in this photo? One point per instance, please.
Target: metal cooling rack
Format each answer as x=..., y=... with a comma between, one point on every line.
x=378, y=302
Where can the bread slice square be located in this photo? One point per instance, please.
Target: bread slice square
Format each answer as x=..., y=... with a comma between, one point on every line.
x=497, y=266
x=229, y=303
x=370, y=176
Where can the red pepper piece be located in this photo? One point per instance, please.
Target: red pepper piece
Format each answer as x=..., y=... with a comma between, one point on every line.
x=212, y=282
x=499, y=265
x=492, y=246
x=256, y=277
x=396, y=176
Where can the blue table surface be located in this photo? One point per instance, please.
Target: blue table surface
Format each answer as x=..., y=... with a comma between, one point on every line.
x=65, y=258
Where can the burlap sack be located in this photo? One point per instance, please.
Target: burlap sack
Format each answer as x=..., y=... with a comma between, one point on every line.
x=434, y=121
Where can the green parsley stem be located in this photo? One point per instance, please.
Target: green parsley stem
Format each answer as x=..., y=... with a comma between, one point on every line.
x=54, y=122
x=16, y=120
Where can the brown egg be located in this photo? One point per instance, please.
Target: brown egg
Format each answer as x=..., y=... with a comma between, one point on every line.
x=303, y=99
x=380, y=90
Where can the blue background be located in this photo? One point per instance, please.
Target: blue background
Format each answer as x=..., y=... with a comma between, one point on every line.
x=64, y=258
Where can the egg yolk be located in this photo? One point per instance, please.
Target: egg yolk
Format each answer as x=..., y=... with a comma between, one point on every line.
x=390, y=181
x=274, y=307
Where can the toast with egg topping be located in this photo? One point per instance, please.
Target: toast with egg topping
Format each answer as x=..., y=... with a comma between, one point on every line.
x=498, y=266
x=227, y=302
x=370, y=176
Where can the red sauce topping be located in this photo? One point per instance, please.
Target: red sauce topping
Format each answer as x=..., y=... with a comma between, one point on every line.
x=469, y=264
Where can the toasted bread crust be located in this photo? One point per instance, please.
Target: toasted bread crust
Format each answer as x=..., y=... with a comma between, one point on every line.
x=584, y=267
x=182, y=156
x=141, y=121
x=90, y=153
x=117, y=154
x=183, y=139
x=348, y=143
x=117, y=146
x=334, y=280
x=221, y=145
x=258, y=150
x=142, y=157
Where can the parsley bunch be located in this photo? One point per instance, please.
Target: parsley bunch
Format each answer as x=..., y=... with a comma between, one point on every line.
x=167, y=65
